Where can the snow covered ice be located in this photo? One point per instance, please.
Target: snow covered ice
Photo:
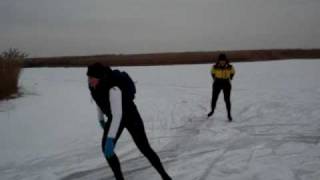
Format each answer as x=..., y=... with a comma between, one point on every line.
x=51, y=132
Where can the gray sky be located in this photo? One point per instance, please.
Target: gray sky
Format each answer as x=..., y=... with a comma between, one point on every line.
x=80, y=27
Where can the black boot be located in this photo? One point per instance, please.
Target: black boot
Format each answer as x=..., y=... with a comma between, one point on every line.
x=166, y=177
x=210, y=113
x=229, y=117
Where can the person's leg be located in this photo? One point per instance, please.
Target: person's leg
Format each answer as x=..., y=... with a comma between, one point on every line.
x=113, y=161
x=227, y=93
x=215, y=94
x=136, y=129
x=114, y=164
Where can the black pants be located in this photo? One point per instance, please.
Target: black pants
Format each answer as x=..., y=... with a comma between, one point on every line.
x=133, y=122
x=217, y=86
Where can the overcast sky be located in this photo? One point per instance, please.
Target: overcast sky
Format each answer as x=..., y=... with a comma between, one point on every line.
x=80, y=27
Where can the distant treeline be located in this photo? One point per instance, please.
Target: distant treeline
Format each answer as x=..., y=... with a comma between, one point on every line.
x=172, y=58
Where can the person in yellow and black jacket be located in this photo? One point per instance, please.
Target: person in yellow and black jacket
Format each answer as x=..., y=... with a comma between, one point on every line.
x=222, y=73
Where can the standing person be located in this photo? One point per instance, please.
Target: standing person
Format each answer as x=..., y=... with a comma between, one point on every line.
x=114, y=91
x=222, y=73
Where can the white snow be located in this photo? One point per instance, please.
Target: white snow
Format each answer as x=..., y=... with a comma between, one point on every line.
x=51, y=132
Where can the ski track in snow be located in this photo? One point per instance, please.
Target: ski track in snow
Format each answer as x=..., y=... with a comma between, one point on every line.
x=275, y=133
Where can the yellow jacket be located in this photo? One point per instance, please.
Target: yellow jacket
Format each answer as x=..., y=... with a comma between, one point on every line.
x=226, y=72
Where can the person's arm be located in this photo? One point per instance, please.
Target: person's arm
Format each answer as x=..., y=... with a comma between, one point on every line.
x=213, y=72
x=116, y=110
x=233, y=72
x=100, y=117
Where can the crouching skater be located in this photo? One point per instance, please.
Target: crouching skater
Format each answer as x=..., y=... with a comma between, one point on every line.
x=114, y=92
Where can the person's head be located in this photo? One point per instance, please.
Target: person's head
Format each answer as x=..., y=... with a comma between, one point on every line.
x=96, y=72
x=222, y=59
